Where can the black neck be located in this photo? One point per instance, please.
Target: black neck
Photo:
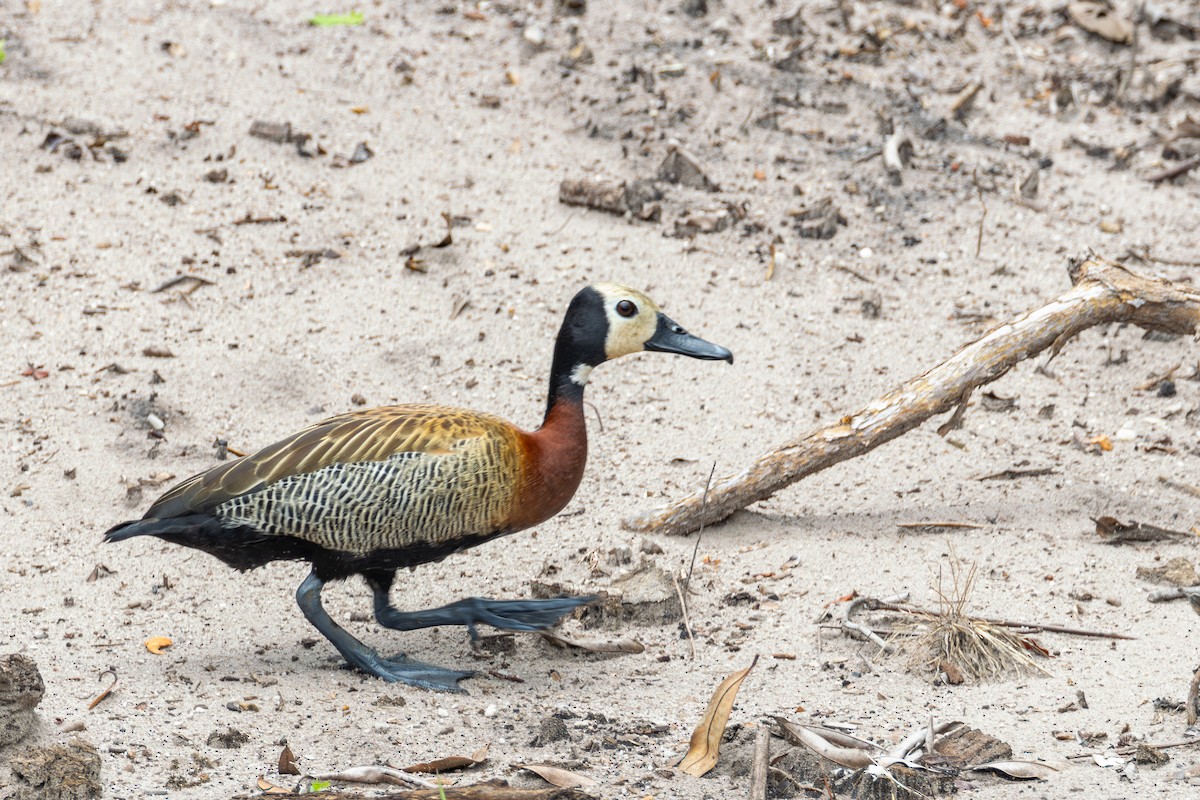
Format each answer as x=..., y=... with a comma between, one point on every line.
x=562, y=388
x=580, y=343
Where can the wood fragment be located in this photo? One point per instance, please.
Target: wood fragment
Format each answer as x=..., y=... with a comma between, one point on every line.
x=1193, y=691
x=1176, y=593
x=762, y=760
x=846, y=620
x=1103, y=292
x=965, y=99
x=1182, y=168
x=1187, y=488
x=107, y=690
x=1013, y=474
x=481, y=791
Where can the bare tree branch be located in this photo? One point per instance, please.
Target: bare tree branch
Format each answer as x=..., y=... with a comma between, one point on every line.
x=1103, y=292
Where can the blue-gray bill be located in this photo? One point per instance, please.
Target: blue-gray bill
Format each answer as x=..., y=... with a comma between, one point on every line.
x=670, y=337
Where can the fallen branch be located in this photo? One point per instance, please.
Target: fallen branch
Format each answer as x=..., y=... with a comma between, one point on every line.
x=762, y=762
x=847, y=623
x=480, y=791
x=1103, y=292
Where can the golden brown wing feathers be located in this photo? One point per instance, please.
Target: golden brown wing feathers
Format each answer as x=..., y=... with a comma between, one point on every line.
x=372, y=435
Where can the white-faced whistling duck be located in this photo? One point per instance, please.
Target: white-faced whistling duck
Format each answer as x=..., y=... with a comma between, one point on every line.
x=369, y=492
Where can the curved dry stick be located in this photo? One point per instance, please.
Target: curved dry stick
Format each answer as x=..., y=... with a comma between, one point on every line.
x=1103, y=292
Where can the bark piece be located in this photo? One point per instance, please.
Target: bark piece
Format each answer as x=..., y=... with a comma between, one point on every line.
x=616, y=197
x=1103, y=292
x=964, y=746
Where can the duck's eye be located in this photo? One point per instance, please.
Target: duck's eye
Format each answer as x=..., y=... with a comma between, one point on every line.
x=626, y=308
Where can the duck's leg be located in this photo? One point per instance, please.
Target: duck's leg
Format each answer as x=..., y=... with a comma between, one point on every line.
x=509, y=615
x=400, y=668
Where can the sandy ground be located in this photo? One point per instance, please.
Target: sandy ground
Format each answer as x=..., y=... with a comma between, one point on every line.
x=465, y=114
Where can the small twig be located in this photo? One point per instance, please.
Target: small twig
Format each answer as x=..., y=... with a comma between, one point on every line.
x=596, y=411
x=849, y=624
x=983, y=216
x=761, y=764
x=107, y=690
x=1024, y=627
x=687, y=623
x=1178, y=593
x=1157, y=379
x=376, y=774
x=854, y=272
x=1194, y=491
x=924, y=525
x=962, y=103
x=1193, y=691
x=1183, y=167
x=687, y=582
x=1012, y=42
x=955, y=421
x=559, y=229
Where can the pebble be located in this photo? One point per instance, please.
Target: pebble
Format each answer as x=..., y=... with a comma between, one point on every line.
x=1125, y=435
x=155, y=422
x=534, y=36
x=491, y=711
x=865, y=253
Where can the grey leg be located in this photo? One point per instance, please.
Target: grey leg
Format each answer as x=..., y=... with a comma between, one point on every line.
x=357, y=654
x=509, y=615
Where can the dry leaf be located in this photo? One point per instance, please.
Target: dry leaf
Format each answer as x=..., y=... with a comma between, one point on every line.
x=451, y=762
x=1098, y=18
x=557, y=776
x=156, y=644
x=287, y=762
x=620, y=645
x=706, y=739
x=267, y=787
x=835, y=746
x=1025, y=770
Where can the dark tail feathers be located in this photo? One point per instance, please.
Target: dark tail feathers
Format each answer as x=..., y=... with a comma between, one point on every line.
x=172, y=527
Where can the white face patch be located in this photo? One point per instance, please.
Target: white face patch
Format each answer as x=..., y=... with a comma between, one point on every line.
x=627, y=334
x=579, y=375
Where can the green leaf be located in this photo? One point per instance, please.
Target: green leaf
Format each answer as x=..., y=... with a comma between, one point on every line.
x=3, y=55
x=329, y=20
x=319, y=786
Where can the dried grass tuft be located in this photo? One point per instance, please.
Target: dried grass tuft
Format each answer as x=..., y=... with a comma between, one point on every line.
x=949, y=638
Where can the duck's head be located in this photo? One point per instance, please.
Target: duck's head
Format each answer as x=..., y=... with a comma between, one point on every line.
x=608, y=320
